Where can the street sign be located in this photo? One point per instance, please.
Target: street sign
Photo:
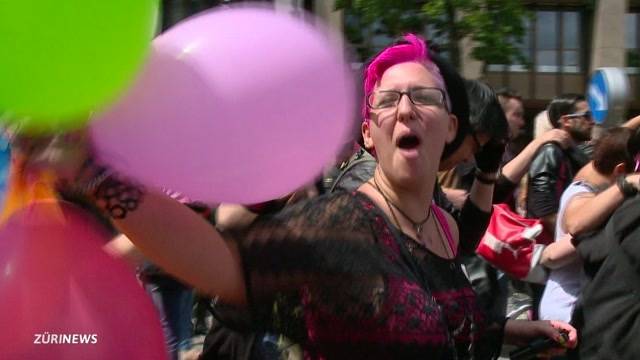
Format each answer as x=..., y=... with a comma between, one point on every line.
x=607, y=95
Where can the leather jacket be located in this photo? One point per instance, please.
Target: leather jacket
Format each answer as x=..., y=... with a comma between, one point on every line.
x=551, y=171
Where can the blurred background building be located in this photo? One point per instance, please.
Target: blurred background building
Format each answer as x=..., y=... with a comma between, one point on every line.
x=564, y=41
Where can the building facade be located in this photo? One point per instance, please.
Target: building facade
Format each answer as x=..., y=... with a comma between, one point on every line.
x=565, y=41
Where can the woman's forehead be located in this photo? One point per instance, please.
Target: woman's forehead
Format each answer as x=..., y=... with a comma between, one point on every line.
x=407, y=74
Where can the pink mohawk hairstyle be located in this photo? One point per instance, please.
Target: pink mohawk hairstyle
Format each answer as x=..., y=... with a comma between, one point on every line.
x=412, y=48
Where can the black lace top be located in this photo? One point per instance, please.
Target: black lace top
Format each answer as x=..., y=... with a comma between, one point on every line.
x=334, y=275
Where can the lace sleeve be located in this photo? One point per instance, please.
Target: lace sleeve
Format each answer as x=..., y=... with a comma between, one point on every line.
x=321, y=255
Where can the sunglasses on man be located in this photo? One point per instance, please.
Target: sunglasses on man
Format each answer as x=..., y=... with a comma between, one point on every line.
x=586, y=115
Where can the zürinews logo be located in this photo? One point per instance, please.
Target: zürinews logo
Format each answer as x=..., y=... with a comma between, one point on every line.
x=47, y=338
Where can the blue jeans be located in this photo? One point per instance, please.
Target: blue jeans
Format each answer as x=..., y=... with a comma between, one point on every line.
x=174, y=302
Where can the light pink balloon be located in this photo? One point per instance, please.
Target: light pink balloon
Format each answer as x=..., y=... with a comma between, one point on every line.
x=56, y=280
x=237, y=105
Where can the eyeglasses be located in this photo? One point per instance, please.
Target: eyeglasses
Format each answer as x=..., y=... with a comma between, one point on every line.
x=386, y=99
x=586, y=114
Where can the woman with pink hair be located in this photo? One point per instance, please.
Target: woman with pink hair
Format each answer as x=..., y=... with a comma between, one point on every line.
x=371, y=274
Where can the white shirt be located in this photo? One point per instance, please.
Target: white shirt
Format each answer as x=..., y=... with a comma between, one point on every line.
x=563, y=286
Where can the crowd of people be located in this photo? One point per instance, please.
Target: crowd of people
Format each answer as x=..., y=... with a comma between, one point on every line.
x=377, y=259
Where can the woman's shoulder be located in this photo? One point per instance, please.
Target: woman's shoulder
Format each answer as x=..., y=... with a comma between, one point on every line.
x=339, y=209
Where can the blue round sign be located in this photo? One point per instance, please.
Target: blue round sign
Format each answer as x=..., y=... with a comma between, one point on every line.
x=607, y=95
x=597, y=97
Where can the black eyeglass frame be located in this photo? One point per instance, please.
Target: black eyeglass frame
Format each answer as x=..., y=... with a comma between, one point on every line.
x=443, y=97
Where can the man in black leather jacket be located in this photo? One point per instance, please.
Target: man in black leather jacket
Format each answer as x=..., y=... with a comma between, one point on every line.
x=553, y=167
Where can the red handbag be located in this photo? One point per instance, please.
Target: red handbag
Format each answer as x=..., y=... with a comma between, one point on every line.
x=514, y=244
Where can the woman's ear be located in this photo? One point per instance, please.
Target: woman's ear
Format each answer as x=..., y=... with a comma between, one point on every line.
x=366, y=135
x=453, y=128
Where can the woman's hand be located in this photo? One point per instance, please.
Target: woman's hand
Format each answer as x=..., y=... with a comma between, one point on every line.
x=559, y=136
x=62, y=154
x=633, y=179
x=456, y=196
x=522, y=332
x=489, y=157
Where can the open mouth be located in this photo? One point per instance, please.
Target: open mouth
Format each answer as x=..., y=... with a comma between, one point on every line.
x=408, y=142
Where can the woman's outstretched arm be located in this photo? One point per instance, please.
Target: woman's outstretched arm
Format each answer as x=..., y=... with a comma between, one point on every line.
x=184, y=244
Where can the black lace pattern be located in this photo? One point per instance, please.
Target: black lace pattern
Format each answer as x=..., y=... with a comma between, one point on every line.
x=333, y=275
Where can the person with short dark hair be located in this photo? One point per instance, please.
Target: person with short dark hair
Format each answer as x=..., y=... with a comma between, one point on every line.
x=483, y=148
x=490, y=128
x=600, y=187
x=553, y=167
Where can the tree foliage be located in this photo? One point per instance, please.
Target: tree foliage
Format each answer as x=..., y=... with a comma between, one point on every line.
x=496, y=27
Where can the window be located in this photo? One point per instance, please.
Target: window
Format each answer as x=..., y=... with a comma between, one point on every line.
x=632, y=42
x=570, y=42
x=551, y=43
x=547, y=41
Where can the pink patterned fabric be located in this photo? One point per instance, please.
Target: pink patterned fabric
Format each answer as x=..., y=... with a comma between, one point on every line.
x=345, y=286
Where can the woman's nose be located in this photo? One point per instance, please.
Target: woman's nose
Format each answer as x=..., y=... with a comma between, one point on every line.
x=405, y=108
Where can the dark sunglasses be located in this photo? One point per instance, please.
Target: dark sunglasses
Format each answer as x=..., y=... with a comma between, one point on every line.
x=586, y=114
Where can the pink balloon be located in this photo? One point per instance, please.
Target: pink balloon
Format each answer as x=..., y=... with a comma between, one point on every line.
x=237, y=105
x=56, y=280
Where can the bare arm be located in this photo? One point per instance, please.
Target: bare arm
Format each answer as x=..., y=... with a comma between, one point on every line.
x=122, y=247
x=231, y=216
x=632, y=123
x=515, y=169
x=167, y=232
x=186, y=246
x=559, y=254
x=587, y=212
x=456, y=196
x=521, y=332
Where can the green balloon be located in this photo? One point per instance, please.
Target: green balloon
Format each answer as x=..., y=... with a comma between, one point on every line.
x=62, y=60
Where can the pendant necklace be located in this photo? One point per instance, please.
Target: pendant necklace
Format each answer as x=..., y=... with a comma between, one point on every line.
x=417, y=225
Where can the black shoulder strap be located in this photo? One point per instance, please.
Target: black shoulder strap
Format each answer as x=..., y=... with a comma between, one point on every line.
x=360, y=157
